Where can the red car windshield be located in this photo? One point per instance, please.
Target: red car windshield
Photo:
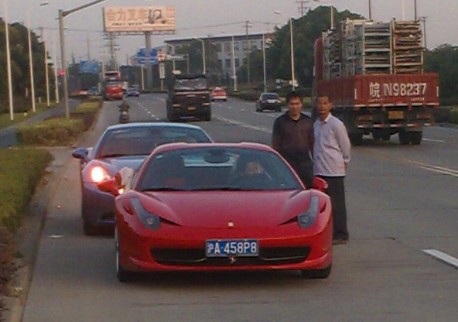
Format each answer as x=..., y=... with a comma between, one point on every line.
x=217, y=168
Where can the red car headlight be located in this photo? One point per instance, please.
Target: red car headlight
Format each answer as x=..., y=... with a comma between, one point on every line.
x=308, y=218
x=99, y=174
x=148, y=219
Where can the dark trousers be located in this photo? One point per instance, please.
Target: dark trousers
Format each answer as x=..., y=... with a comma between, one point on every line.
x=336, y=192
x=304, y=170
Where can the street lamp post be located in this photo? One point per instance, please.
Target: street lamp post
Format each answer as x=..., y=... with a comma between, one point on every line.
x=43, y=36
x=62, y=15
x=56, y=80
x=331, y=8
x=293, y=78
x=291, y=32
x=32, y=81
x=234, y=70
x=8, y=62
x=264, y=61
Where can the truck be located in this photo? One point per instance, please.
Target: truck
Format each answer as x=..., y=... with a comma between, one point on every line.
x=188, y=95
x=373, y=74
x=112, y=85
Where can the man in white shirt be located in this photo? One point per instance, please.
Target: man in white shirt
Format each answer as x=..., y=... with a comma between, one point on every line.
x=331, y=154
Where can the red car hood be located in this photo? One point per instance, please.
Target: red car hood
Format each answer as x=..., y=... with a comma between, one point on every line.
x=216, y=209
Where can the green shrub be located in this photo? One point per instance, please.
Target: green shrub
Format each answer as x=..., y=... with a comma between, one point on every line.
x=20, y=171
x=51, y=132
x=454, y=115
x=89, y=106
x=442, y=114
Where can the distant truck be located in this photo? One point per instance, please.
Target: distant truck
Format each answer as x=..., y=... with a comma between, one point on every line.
x=188, y=96
x=373, y=74
x=112, y=86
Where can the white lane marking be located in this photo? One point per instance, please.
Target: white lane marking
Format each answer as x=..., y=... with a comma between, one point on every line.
x=248, y=126
x=435, y=168
x=450, y=260
x=150, y=113
x=433, y=140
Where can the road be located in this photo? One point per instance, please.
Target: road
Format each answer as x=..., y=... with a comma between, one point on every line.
x=402, y=201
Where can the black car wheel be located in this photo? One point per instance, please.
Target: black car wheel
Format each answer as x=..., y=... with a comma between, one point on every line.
x=88, y=229
x=122, y=275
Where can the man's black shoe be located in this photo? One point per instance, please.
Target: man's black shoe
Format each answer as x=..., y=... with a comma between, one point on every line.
x=339, y=241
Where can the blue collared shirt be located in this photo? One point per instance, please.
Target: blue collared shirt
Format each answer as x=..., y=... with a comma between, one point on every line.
x=332, y=148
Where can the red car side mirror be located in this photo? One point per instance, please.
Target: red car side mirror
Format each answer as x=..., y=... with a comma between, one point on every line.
x=319, y=184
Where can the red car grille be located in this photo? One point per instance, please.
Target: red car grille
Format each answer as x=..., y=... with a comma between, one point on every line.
x=196, y=257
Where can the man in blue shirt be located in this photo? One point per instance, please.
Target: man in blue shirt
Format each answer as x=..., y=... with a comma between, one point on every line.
x=331, y=154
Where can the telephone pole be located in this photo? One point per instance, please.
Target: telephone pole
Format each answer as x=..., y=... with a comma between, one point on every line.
x=302, y=7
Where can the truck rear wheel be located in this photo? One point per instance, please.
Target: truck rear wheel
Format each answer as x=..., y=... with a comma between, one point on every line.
x=171, y=117
x=416, y=137
x=356, y=138
x=208, y=116
x=404, y=137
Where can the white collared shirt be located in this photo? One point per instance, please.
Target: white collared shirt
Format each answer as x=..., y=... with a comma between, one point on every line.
x=331, y=151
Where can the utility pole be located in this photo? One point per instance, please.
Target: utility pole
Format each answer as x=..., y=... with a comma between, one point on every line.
x=302, y=7
x=88, y=47
x=112, y=49
x=248, y=50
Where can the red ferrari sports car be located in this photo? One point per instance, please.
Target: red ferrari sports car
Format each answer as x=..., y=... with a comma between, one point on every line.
x=217, y=207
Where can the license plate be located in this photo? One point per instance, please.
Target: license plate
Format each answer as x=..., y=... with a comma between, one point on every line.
x=231, y=247
x=191, y=108
x=395, y=115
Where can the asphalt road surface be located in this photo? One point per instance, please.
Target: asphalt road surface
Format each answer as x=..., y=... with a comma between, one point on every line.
x=398, y=266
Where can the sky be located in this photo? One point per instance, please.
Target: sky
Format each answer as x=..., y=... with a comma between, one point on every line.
x=201, y=18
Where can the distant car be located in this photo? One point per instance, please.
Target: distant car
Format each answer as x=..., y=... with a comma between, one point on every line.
x=219, y=207
x=119, y=146
x=218, y=94
x=93, y=91
x=268, y=101
x=132, y=91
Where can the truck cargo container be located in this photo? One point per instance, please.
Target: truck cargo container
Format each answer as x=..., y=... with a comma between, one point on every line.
x=373, y=74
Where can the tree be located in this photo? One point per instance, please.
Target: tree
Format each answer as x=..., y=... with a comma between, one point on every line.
x=19, y=52
x=442, y=60
x=305, y=31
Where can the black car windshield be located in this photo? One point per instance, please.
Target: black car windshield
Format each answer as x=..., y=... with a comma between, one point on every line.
x=190, y=83
x=142, y=140
x=270, y=96
x=217, y=168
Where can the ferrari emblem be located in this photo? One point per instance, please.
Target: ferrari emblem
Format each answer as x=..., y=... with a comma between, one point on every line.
x=230, y=224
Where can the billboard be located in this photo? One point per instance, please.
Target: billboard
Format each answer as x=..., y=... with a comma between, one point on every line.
x=139, y=19
x=89, y=66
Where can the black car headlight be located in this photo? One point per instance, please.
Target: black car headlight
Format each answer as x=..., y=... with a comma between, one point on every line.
x=307, y=218
x=151, y=221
